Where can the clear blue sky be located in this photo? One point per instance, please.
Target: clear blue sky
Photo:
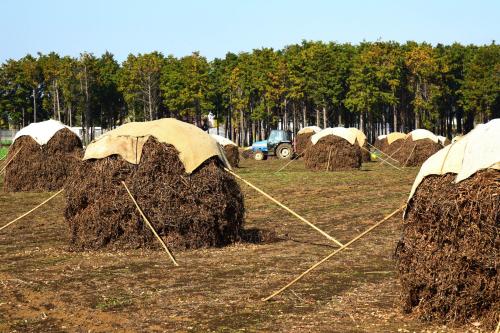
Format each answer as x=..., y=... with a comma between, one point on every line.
x=214, y=27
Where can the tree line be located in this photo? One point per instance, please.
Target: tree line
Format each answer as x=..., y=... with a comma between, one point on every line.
x=375, y=86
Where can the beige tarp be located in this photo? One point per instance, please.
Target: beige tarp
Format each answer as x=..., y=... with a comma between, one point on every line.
x=194, y=145
x=309, y=129
x=480, y=149
x=337, y=131
x=391, y=137
x=420, y=134
x=222, y=140
x=360, y=136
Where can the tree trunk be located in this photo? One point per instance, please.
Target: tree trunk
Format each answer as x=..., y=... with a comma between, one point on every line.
x=304, y=115
x=34, y=105
x=324, y=117
x=317, y=116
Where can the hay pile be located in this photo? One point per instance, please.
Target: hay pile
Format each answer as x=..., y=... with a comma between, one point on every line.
x=45, y=167
x=247, y=154
x=381, y=143
x=302, y=141
x=448, y=257
x=365, y=153
x=333, y=153
x=201, y=209
x=232, y=154
x=413, y=153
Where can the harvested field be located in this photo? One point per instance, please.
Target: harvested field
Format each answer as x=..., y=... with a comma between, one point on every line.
x=38, y=168
x=413, y=153
x=232, y=154
x=449, y=254
x=43, y=287
x=333, y=153
x=302, y=141
x=204, y=209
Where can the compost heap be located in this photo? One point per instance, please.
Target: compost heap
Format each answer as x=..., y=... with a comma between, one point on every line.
x=363, y=144
x=175, y=172
x=418, y=146
x=43, y=156
x=303, y=139
x=390, y=142
x=230, y=149
x=333, y=149
x=448, y=256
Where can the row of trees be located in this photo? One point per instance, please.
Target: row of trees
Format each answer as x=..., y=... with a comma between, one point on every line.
x=378, y=87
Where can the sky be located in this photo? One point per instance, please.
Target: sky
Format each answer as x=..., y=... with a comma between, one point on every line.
x=215, y=27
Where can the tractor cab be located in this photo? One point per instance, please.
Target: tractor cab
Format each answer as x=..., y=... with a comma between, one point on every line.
x=279, y=143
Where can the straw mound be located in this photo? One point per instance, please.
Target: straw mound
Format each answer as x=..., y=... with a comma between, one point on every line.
x=203, y=209
x=414, y=153
x=365, y=153
x=42, y=168
x=302, y=142
x=247, y=154
x=448, y=256
x=232, y=155
x=381, y=144
x=342, y=155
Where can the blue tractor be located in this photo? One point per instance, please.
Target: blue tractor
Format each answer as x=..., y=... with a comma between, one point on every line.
x=278, y=144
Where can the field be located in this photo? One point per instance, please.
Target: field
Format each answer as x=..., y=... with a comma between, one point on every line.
x=45, y=288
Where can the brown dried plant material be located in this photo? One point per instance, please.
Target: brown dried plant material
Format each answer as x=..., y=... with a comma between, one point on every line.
x=302, y=142
x=413, y=153
x=232, y=155
x=333, y=153
x=448, y=257
x=42, y=168
x=204, y=209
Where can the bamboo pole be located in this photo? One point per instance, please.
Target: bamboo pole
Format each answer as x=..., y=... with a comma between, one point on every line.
x=329, y=155
x=498, y=325
x=8, y=162
x=291, y=160
x=333, y=253
x=32, y=210
x=150, y=226
x=385, y=161
x=285, y=208
x=404, y=165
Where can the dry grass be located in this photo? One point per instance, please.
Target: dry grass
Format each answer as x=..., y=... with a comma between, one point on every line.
x=43, y=287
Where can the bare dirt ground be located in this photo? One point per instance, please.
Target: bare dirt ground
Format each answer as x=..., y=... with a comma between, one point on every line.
x=45, y=288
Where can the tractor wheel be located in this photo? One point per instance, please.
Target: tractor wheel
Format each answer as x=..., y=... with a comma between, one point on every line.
x=284, y=151
x=259, y=156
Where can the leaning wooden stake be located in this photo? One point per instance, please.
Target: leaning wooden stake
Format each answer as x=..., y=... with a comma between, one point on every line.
x=32, y=210
x=8, y=162
x=404, y=165
x=285, y=208
x=334, y=253
x=291, y=160
x=498, y=326
x=150, y=226
x=385, y=161
x=380, y=151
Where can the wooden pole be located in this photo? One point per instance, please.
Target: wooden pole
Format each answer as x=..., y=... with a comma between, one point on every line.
x=32, y=210
x=404, y=165
x=333, y=253
x=8, y=162
x=389, y=156
x=285, y=208
x=291, y=160
x=150, y=226
x=385, y=161
x=498, y=326
x=329, y=155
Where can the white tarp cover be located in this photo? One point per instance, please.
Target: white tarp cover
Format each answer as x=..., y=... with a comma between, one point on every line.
x=441, y=139
x=420, y=134
x=480, y=149
x=43, y=131
x=222, y=140
x=391, y=137
x=381, y=137
x=359, y=135
x=309, y=129
x=194, y=145
x=342, y=132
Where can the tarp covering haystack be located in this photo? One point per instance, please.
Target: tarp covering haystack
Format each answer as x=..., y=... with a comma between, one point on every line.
x=390, y=141
x=449, y=255
x=363, y=144
x=303, y=139
x=333, y=149
x=417, y=147
x=42, y=156
x=230, y=149
x=176, y=173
